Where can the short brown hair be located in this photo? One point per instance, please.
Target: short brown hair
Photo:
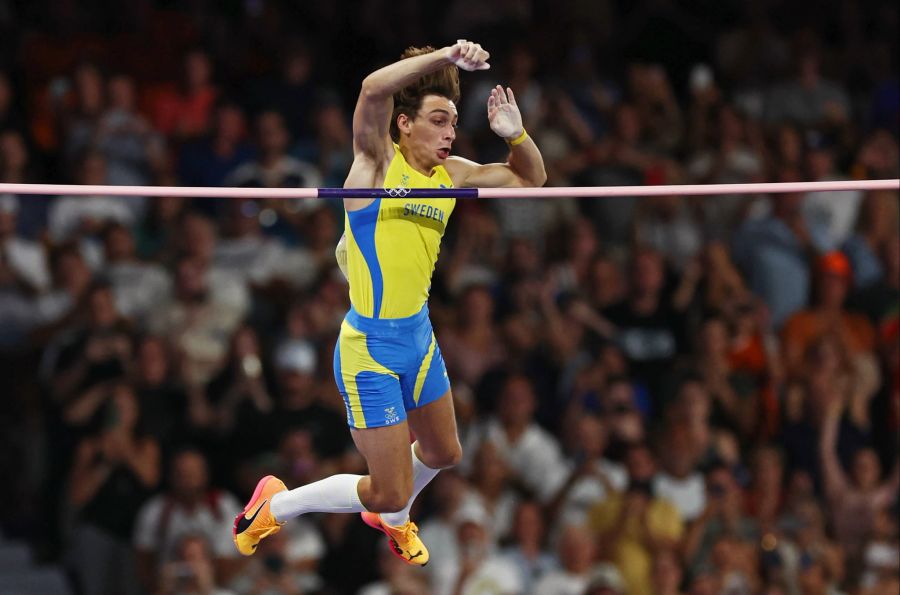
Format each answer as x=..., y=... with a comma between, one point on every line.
x=443, y=82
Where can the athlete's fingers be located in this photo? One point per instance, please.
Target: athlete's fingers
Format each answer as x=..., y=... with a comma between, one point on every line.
x=471, y=51
x=512, y=98
x=501, y=95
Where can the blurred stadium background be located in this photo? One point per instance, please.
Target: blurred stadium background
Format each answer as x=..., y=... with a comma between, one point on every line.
x=655, y=396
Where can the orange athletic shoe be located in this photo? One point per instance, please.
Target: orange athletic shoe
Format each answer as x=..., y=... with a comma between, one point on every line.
x=249, y=528
x=404, y=540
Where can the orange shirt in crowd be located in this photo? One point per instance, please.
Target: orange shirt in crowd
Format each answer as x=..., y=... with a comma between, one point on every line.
x=806, y=327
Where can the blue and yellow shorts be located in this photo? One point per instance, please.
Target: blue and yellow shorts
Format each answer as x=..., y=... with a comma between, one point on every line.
x=386, y=366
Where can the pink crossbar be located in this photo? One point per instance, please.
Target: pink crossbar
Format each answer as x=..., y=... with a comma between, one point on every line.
x=551, y=192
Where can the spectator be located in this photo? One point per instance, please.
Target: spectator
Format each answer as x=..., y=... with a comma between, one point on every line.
x=25, y=261
x=881, y=554
x=835, y=210
x=299, y=405
x=621, y=159
x=334, y=142
x=878, y=156
x=10, y=116
x=113, y=473
x=667, y=573
x=168, y=412
x=138, y=286
x=490, y=481
x=650, y=329
x=133, y=151
x=18, y=165
x=527, y=550
x=765, y=498
x=718, y=535
x=827, y=373
x=82, y=217
x=592, y=477
x=79, y=114
x=855, y=333
x=71, y=281
x=654, y=99
x=449, y=494
x=243, y=251
x=274, y=168
x=397, y=578
x=665, y=224
x=576, y=555
x=876, y=226
x=532, y=455
x=197, y=239
x=479, y=569
x=209, y=162
x=606, y=285
x=184, y=112
x=855, y=500
x=472, y=346
x=731, y=160
x=190, y=508
x=679, y=481
x=197, y=325
x=774, y=254
x=239, y=391
x=98, y=351
x=632, y=525
x=293, y=93
x=622, y=408
x=192, y=571
x=605, y=579
x=735, y=394
x=154, y=235
x=808, y=98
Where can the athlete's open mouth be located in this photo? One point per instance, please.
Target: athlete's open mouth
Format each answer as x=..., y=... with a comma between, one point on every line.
x=444, y=152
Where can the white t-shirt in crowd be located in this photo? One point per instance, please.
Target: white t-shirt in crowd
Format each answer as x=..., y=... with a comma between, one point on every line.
x=688, y=494
x=254, y=259
x=535, y=457
x=163, y=522
x=138, y=287
x=68, y=212
x=28, y=261
x=589, y=490
x=495, y=576
x=560, y=582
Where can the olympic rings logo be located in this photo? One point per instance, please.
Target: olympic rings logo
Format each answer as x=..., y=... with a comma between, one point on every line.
x=397, y=192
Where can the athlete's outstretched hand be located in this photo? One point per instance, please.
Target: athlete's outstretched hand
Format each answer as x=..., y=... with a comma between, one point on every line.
x=468, y=55
x=504, y=114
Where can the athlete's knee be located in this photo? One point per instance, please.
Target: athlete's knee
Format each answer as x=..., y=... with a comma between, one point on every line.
x=443, y=458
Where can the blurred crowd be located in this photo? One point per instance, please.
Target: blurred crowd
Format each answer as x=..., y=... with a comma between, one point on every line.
x=670, y=395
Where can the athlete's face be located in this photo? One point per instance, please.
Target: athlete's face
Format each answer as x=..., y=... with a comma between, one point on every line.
x=431, y=133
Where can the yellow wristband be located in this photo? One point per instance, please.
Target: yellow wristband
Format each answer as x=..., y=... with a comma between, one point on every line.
x=519, y=139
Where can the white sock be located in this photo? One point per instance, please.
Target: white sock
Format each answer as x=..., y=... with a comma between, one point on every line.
x=422, y=475
x=337, y=493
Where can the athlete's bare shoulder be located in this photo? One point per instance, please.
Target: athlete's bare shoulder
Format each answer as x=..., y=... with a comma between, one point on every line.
x=365, y=172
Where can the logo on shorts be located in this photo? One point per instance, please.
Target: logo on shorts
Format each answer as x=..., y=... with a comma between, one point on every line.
x=390, y=415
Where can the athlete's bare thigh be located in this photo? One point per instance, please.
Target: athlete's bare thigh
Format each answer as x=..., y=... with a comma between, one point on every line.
x=434, y=426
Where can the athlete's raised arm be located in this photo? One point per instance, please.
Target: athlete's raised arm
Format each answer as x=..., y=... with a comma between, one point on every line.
x=524, y=167
x=372, y=116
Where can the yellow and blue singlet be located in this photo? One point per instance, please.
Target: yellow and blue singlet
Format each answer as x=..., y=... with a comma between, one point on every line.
x=387, y=360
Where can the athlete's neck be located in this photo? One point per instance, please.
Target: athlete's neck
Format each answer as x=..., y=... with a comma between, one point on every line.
x=417, y=164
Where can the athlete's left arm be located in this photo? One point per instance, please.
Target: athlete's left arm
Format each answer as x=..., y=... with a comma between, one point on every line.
x=525, y=166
